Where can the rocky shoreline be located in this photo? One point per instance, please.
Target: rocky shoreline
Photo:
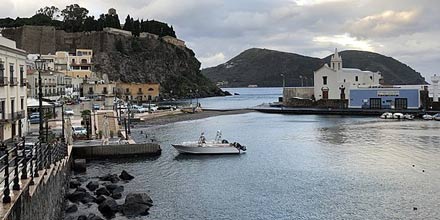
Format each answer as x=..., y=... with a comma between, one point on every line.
x=100, y=198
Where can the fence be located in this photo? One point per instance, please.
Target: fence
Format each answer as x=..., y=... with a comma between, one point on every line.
x=19, y=160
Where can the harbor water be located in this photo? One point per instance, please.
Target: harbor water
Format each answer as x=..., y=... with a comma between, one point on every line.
x=295, y=167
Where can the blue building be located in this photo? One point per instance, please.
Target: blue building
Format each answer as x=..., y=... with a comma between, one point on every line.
x=384, y=98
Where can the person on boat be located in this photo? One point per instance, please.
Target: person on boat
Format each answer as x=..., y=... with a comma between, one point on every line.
x=202, y=139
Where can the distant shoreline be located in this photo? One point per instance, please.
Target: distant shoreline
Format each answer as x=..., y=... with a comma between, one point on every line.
x=168, y=119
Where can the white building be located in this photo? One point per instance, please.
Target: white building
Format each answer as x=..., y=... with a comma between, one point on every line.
x=13, y=122
x=335, y=82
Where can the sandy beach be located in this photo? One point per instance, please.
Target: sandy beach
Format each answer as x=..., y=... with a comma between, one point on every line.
x=166, y=119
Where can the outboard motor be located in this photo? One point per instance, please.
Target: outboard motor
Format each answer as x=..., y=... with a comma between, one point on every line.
x=239, y=146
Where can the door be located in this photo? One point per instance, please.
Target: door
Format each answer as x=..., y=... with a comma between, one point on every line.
x=325, y=94
x=401, y=103
x=375, y=103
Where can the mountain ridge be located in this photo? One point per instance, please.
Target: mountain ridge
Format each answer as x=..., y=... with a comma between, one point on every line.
x=263, y=67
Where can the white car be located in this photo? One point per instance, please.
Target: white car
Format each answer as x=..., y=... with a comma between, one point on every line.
x=78, y=130
x=152, y=107
x=138, y=109
x=69, y=112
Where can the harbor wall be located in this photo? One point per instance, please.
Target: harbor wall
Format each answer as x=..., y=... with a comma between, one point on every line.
x=45, y=199
x=120, y=150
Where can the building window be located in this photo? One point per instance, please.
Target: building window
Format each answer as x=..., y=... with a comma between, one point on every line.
x=83, y=60
x=344, y=80
x=356, y=78
x=371, y=77
x=11, y=71
x=324, y=80
x=339, y=66
x=150, y=89
x=127, y=90
x=22, y=104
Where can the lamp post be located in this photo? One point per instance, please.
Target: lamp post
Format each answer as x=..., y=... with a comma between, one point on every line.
x=302, y=81
x=39, y=66
x=284, y=86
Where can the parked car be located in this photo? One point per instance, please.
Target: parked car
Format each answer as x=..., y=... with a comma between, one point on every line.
x=69, y=112
x=96, y=107
x=78, y=130
x=152, y=107
x=138, y=109
x=84, y=99
x=34, y=119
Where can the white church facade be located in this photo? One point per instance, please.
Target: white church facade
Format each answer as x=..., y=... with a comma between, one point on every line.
x=335, y=82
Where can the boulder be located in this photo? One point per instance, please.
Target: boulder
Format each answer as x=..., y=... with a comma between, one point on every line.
x=92, y=185
x=108, y=207
x=137, y=204
x=101, y=199
x=125, y=176
x=113, y=188
x=102, y=191
x=116, y=195
x=82, y=217
x=73, y=184
x=87, y=198
x=110, y=177
x=76, y=196
x=71, y=207
x=94, y=217
x=79, y=165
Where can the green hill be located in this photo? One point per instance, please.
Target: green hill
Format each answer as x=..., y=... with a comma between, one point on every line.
x=264, y=67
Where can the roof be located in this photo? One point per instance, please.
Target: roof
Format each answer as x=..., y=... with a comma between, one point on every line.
x=32, y=103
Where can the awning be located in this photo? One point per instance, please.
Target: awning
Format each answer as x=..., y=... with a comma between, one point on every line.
x=33, y=103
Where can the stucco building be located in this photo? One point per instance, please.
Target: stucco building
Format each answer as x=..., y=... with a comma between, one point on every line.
x=138, y=91
x=335, y=82
x=13, y=81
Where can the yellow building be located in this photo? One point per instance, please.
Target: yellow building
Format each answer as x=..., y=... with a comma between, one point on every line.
x=138, y=91
x=80, y=63
x=93, y=90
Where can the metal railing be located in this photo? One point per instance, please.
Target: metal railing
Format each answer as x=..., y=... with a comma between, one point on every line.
x=21, y=161
x=13, y=81
x=3, y=81
x=23, y=82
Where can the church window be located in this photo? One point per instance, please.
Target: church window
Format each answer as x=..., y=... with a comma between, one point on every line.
x=324, y=80
x=356, y=78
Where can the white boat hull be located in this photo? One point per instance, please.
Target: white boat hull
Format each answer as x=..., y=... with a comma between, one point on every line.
x=207, y=149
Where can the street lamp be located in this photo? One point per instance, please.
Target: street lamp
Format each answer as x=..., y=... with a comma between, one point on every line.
x=302, y=82
x=284, y=85
x=39, y=64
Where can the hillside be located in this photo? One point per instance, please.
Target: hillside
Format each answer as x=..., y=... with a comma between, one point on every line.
x=124, y=58
x=263, y=68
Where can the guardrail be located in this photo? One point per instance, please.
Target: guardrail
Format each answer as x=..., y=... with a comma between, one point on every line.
x=18, y=161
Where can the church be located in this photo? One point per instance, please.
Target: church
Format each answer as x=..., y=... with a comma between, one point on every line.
x=335, y=82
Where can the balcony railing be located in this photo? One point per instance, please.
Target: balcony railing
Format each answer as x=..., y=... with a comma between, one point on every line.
x=140, y=93
x=12, y=116
x=23, y=82
x=3, y=81
x=20, y=161
x=13, y=81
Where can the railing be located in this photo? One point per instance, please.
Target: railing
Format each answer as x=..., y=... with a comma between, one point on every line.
x=13, y=81
x=18, y=161
x=12, y=116
x=23, y=82
x=3, y=81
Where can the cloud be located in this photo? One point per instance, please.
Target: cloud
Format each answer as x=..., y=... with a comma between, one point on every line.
x=217, y=30
x=212, y=60
x=344, y=40
x=388, y=23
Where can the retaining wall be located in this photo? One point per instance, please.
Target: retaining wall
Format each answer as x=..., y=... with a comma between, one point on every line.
x=45, y=199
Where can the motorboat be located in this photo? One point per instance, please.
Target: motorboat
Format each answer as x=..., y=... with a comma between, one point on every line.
x=427, y=117
x=408, y=116
x=387, y=115
x=436, y=117
x=217, y=146
x=398, y=116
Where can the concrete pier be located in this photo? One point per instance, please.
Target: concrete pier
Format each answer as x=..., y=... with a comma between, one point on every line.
x=116, y=151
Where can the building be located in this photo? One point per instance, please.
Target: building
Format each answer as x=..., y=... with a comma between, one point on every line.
x=175, y=41
x=117, y=31
x=335, y=82
x=148, y=35
x=385, y=98
x=80, y=64
x=138, y=91
x=98, y=89
x=13, y=81
x=73, y=86
x=52, y=82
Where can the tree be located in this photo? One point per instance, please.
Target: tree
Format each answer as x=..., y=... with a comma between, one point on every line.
x=136, y=28
x=74, y=16
x=52, y=12
x=128, y=26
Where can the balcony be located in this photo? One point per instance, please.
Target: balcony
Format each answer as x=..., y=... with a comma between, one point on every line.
x=4, y=118
x=127, y=93
x=3, y=81
x=23, y=82
x=13, y=81
x=140, y=93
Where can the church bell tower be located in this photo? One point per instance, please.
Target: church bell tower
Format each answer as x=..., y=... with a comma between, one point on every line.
x=336, y=61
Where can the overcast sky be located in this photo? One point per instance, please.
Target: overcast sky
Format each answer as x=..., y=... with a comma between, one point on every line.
x=218, y=30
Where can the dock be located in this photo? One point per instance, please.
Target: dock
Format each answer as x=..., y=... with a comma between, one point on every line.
x=116, y=150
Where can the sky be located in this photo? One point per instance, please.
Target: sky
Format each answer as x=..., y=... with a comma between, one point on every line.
x=216, y=30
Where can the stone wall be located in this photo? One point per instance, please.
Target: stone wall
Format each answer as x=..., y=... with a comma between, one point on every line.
x=47, y=201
